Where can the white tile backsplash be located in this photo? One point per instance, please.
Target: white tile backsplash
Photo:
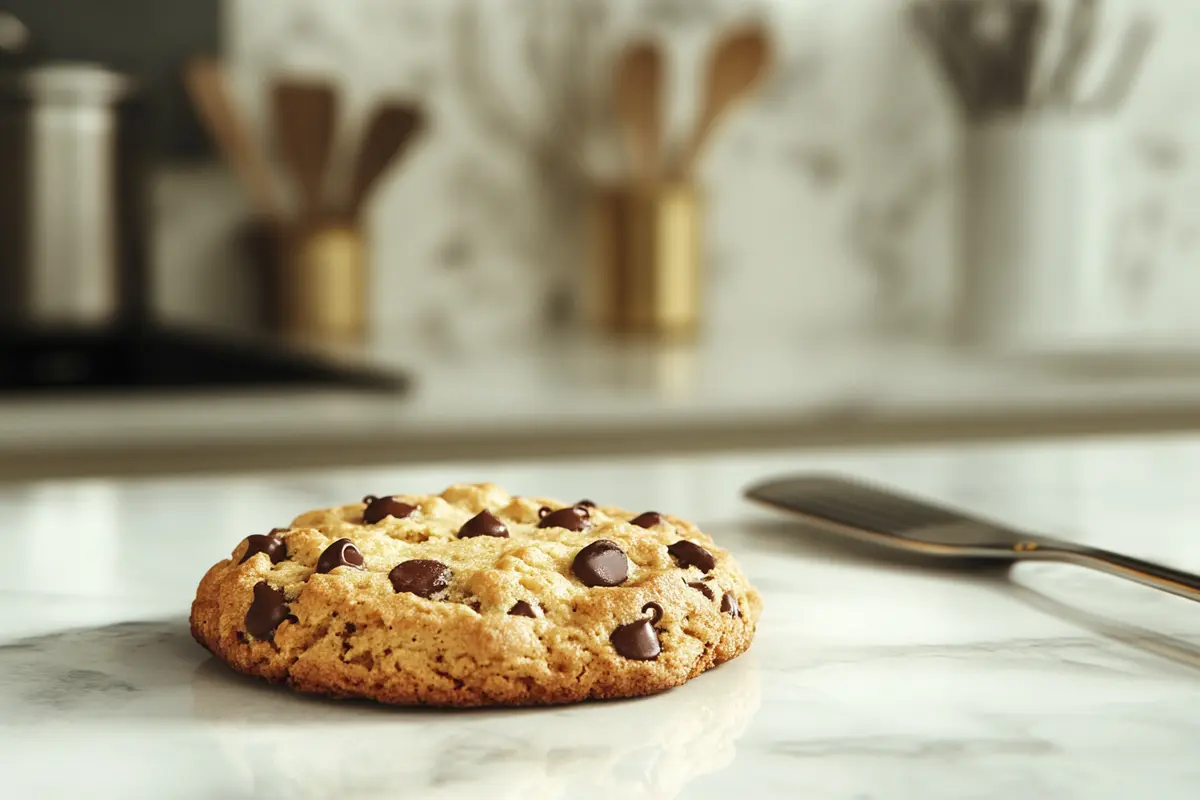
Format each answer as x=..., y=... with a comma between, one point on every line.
x=831, y=196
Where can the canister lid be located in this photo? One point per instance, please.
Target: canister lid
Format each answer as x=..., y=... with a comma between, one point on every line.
x=14, y=36
x=66, y=83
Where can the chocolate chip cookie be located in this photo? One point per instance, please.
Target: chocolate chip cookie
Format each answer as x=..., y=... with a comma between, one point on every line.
x=474, y=597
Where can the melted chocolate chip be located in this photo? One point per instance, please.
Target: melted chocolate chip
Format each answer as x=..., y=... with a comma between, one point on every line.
x=729, y=605
x=638, y=640
x=273, y=546
x=601, y=563
x=573, y=518
x=648, y=519
x=703, y=588
x=485, y=523
x=522, y=609
x=341, y=553
x=420, y=576
x=266, y=611
x=690, y=554
x=586, y=504
x=380, y=508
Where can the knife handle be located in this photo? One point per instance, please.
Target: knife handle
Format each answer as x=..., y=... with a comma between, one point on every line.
x=1147, y=573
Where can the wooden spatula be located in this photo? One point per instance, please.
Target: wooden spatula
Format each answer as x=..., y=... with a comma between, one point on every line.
x=739, y=62
x=638, y=91
x=208, y=89
x=389, y=132
x=305, y=117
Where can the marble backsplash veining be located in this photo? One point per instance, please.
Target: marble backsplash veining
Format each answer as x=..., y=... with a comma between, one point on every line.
x=832, y=195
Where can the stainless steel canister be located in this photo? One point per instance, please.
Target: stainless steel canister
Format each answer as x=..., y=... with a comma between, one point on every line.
x=73, y=232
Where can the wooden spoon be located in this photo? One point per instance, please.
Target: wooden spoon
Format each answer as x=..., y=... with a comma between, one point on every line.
x=305, y=116
x=739, y=62
x=208, y=88
x=391, y=129
x=639, y=97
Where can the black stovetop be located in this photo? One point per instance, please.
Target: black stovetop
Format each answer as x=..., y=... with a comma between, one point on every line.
x=160, y=359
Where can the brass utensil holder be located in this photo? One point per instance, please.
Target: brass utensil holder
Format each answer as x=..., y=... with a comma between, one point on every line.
x=646, y=260
x=322, y=290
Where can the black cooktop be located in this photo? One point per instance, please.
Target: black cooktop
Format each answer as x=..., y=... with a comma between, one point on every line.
x=163, y=359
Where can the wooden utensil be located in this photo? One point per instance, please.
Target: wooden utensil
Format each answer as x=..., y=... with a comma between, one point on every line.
x=638, y=91
x=739, y=62
x=1126, y=67
x=988, y=50
x=208, y=88
x=305, y=117
x=1062, y=86
x=881, y=517
x=389, y=132
x=1016, y=54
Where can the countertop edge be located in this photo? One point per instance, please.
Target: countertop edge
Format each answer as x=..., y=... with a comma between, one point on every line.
x=836, y=428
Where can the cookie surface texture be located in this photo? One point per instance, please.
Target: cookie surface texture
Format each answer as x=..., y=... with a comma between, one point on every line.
x=534, y=602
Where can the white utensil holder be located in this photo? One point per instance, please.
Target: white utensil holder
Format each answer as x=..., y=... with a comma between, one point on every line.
x=1037, y=202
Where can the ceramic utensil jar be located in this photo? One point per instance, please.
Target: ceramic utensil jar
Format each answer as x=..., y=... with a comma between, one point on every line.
x=1037, y=201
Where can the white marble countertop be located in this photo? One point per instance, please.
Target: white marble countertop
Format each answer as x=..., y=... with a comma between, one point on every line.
x=578, y=397
x=868, y=679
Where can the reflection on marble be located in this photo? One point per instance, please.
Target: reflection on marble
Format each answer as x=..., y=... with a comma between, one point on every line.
x=636, y=750
x=872, y=676
x=152, y=676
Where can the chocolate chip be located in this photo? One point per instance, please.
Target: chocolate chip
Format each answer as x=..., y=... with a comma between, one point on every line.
x=341, y=553
x=638, y=640
x=573, y=518
x=273, y=546
x=690, y=554
x=601, y=563
x=586, y=504
x=703, y=588
x=729, y=605
x=266, y=611
x=380, y=508
x=420, y=576
x=542, y=512
x=485, y=523
x=648, y=519
x=522, y=609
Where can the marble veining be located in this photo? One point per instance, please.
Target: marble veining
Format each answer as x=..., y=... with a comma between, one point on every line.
x=871, y=677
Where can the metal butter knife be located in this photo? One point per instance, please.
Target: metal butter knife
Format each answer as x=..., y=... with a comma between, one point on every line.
x=882, y=517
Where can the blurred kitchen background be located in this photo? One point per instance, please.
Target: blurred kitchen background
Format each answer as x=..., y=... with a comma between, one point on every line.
x=387, y=230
